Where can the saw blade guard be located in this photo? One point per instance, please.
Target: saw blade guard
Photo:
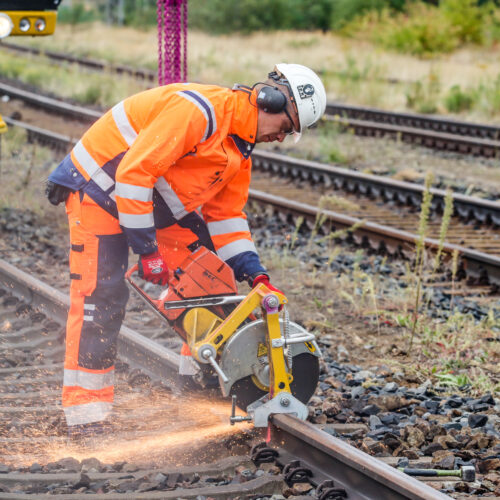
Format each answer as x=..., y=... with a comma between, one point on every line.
x=244, y=360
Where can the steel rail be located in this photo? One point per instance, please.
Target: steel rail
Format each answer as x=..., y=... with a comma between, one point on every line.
x=329, y=458
x=363, y=476
x=414, y=120
x=51, y=105
x=407, y=193
x=153, y=359
x=439, y=140
x=467, y=207
x=381, y=238
x=433, y=132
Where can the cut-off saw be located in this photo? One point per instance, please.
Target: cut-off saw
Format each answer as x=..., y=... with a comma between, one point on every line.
x=264, y=362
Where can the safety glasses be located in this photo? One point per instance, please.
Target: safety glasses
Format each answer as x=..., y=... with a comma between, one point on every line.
x=291, y=130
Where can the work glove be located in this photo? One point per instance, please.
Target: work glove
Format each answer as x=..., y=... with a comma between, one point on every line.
x=264, y=278
x=57, y=193
x=152, y=268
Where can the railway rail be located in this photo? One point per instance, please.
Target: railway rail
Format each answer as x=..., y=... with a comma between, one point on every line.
x=472, y=233
x=429, y=131
x=31, y=432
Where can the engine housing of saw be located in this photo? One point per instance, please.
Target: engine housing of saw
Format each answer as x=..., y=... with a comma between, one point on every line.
x=201, y=274
x=203, y=278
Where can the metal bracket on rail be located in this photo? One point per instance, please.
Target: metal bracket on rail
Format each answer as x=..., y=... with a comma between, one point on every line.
x=294, y=473
x=263, y=454
x=327, y=491
x=283, y=402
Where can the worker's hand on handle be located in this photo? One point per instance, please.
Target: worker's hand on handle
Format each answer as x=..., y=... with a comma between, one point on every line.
x=57, y=193
x=264, y=278
x=152, y=268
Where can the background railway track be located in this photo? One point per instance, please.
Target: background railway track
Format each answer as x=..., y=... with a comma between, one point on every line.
x=384, y=212
x=429, y=131
x=153, y=427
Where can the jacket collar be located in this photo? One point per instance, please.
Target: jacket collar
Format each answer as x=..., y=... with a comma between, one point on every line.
x=244, y=122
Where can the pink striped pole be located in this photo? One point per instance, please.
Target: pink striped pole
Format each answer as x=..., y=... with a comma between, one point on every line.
x=172, y=41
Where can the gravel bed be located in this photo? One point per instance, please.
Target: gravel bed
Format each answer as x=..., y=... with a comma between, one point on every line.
x=410, y=423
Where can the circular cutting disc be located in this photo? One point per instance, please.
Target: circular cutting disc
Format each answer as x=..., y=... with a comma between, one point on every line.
x=245, y=362
x=305, y=371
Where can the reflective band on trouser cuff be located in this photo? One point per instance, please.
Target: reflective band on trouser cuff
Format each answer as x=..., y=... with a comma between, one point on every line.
x=87, y=413
x=136, y=221
x=87, y=380
x=122, y=122
x=94, y=171
x=234, y=225
x=205, y=106
x=88, y=314
x=170, y=198
x=131, y=192
x=236, y=247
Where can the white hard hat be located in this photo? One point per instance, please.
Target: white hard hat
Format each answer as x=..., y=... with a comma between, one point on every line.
x=309, y=94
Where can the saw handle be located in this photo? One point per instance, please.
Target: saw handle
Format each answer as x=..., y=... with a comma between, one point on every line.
x=128, y=276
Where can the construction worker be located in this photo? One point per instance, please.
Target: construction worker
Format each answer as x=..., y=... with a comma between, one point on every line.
x=173, y=158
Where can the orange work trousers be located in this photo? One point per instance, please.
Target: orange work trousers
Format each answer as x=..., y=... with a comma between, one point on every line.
x=98, y=294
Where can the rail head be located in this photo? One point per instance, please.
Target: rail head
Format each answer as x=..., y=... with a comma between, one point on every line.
x=155, y=360
x=365, y=477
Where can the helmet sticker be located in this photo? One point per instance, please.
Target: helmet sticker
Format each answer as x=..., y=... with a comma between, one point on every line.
x=305, y=91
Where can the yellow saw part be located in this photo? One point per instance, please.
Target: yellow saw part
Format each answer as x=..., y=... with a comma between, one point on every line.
x=3, y=125
x=198, y=323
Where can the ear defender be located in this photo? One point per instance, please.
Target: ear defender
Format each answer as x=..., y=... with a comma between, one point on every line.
x=271, y=100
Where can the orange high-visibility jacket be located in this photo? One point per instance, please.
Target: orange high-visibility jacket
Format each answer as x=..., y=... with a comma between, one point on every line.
x=158, y=156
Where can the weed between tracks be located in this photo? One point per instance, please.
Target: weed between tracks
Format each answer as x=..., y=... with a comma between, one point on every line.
x=370, y=316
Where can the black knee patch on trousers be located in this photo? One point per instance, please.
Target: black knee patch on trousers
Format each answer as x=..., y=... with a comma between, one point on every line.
x=97, y=350
x=105, y=307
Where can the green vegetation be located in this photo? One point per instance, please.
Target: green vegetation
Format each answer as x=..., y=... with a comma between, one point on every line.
x=423, y=29
x=23, y=167
x=99, y=89
x=410, y=26
x=345, y=11
x=458, y=100
x=423, y=96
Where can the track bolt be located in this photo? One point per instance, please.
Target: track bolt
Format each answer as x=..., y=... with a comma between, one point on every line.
x=284, y=402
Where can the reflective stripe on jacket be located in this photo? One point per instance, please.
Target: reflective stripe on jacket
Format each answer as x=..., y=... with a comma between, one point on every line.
x=160, y=155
